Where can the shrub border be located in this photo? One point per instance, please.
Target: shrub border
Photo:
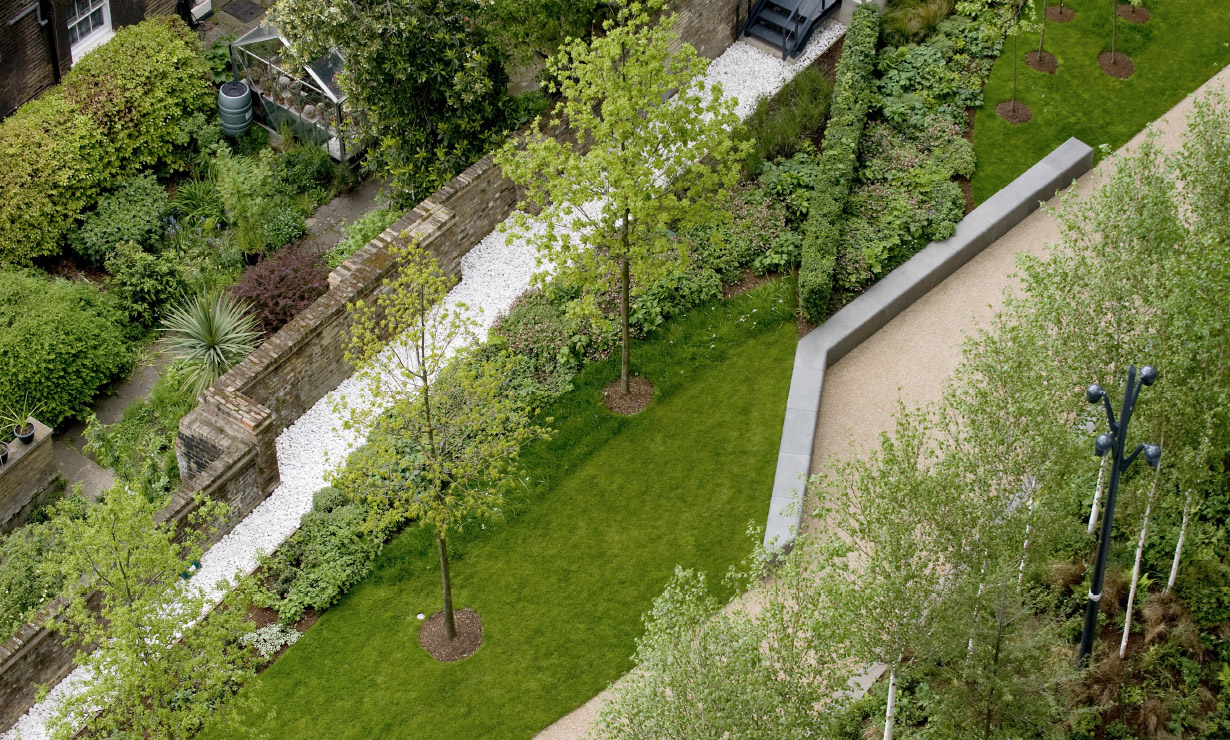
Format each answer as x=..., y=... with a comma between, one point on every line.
x=838, y=159
x=872, y=310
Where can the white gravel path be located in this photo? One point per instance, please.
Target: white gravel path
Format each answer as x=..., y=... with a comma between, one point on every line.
x=494, y=273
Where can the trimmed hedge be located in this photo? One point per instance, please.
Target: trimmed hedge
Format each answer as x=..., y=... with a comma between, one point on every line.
x=122, y=108
x=60, y=342
x=851, y=100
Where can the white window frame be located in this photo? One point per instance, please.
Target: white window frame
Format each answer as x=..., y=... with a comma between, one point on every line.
x=95, y=38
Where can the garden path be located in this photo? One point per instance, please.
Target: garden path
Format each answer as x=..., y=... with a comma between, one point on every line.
x=916, y=352
x=74, y=465
x=494, y=273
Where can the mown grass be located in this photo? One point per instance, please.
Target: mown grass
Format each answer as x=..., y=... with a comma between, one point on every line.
x=616, y=503
x=1184, y=44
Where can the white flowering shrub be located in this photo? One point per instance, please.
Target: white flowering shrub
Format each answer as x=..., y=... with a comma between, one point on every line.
x=269, y=640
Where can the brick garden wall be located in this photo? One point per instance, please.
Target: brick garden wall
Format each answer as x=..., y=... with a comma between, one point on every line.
x=226, y=445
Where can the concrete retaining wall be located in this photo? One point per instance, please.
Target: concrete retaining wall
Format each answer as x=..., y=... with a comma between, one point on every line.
x=895, y=292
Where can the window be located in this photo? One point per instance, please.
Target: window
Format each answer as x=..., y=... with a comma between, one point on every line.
x=89, y=24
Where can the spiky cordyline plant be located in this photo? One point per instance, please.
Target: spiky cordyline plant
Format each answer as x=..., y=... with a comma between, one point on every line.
x=210, y=333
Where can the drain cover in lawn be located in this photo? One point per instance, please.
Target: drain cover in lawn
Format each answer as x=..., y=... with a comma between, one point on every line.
x=244, y=10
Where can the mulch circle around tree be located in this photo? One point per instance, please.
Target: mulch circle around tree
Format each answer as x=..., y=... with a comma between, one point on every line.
x=1121, y=68
x=468, y=640
x=640, y=393
x=1044, y=62
x=1132, y=14
x=1056, y=14
x=1014, y=113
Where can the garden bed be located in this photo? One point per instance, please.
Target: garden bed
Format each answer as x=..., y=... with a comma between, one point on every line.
x=613, y=505
x=1180, y=47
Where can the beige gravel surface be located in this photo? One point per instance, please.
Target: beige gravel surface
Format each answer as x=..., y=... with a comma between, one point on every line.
x=911, y=358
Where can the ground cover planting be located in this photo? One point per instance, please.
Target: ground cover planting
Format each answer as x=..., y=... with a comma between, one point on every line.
x=611, y=505
x=1183, y=44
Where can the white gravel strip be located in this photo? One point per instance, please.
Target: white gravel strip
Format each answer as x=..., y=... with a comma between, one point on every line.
x=494, y=273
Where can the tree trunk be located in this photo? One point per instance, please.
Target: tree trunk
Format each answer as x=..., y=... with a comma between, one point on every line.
x=1097, y=499
x=1015, y=41
x=450, y=627
x=625, y=360
x=1178, y=548
x=1042, y=32
x=1032, y=483
x=1140, y=548
x=1114, y=31
x=890, y=712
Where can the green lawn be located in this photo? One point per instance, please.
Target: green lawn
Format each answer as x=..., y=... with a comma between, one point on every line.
x=562, y=585
x=1184, y=44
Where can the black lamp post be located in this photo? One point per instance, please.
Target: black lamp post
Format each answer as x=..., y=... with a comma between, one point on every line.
x=1113, y=443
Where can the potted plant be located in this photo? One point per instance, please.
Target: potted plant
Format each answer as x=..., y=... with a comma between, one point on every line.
x=4, y=453
x=20, y=419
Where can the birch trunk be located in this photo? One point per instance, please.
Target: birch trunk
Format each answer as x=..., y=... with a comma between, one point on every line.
x=1140, y=549
x=890, y=713
x=1178, y=548
x=1097, y=499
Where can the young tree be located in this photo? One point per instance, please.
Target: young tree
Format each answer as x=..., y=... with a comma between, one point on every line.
x=445, y=428
x=759, y=667
x=1020, y=23
x=151, y=675
x=900, y=536
x=427, y=79
x=654, y=164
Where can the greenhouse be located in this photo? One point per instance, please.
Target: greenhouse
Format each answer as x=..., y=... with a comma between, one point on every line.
x=309, y=101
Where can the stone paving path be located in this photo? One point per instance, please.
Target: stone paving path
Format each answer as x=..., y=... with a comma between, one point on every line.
x=75, y=466
x=911, y=358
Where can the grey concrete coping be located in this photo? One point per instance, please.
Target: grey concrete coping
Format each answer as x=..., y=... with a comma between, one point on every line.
x=871, y=311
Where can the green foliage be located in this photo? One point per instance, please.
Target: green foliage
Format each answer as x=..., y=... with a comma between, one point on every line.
x=694, y=651
x=155, y=677
x=57, y=161
x=911, y=21
x=942, y=77
x=218, y=57
x=782, y=124
x=247, y=187
x=117, y=111
x=635, y=171
x=307, y=169
x=140, y=447
x=527, y=30
x=851, y=99
x=1180, y=48
x=139, y=86
x=133, y=213
x=536, y=329
x=143, y=283
x=210, y=334
x=581, y=551
x=331, y=551
x=280, y=225
x=60, y=343
x=427, y=79
x=26, y=583
x=358, y=233
x=757, y=219
x=197, y=200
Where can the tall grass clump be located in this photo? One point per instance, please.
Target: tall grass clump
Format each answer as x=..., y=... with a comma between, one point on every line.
x=780, y=124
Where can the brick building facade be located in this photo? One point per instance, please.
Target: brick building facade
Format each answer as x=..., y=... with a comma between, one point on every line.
x=39, y=39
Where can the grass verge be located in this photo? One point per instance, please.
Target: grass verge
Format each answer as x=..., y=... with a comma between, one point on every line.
x=614, y=505
x=1184, y=44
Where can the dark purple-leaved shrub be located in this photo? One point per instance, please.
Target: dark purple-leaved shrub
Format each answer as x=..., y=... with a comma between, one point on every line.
x=281, y=285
